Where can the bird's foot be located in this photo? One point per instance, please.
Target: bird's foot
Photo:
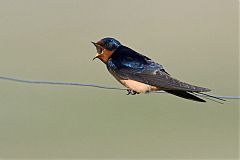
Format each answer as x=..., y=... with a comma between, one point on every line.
x=131, y=92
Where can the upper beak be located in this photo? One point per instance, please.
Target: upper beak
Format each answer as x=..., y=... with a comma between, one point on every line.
x=94, y=43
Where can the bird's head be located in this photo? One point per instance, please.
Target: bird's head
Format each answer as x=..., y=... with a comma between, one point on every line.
x=105, y=47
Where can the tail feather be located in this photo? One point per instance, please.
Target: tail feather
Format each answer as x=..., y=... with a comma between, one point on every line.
x=210, y=97
x=185, y=94
x=194, y=96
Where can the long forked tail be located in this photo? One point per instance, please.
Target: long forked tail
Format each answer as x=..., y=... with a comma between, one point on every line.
x=194, y=96
x=210, y=97
x=185, y=94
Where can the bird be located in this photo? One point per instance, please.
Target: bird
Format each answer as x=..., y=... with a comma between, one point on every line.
x=140, y=74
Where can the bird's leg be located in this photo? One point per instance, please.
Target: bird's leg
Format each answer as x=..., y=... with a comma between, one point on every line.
x=131, y=92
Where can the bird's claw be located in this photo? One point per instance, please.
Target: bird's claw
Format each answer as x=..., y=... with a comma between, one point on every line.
x=131, y=92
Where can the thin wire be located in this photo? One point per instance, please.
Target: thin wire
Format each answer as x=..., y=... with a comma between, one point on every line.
x=89, y=85
x=58, y=83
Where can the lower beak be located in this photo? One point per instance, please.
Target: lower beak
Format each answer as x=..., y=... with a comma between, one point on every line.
x=96, y=56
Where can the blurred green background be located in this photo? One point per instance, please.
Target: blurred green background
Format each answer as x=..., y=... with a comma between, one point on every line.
x=196, y=41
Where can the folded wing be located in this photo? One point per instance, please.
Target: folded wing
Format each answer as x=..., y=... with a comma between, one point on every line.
x=128, y=64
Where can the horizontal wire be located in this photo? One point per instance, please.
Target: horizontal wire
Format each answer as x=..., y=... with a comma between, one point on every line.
x=89, y=85
x=58, y=83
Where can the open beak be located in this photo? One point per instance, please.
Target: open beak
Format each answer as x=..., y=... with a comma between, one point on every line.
x=95, y=46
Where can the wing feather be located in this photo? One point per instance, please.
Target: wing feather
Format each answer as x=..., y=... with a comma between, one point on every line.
x=128, y=64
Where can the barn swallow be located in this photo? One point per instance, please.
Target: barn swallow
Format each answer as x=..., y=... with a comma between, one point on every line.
x=139, y=73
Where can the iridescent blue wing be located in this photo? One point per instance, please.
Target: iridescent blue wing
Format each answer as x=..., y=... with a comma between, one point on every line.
x=128, y=64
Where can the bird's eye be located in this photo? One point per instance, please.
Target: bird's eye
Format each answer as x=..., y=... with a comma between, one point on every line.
x=99, y=50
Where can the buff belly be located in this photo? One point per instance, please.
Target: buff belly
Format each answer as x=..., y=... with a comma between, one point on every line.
x=134, y=85
x=137, y=86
